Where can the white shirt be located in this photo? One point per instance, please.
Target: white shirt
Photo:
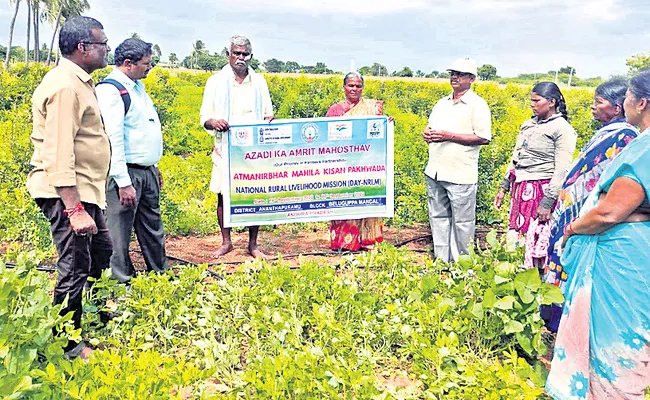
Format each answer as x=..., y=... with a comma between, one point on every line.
x=242, y=99
x=453, y=162
x=237, y=103
x=135, y=138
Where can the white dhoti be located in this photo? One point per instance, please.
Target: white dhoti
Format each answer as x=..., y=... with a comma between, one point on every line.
x=216, y=181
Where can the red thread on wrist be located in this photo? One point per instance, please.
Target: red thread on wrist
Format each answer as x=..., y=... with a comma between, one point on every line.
x=569, y=229
x=69, y=212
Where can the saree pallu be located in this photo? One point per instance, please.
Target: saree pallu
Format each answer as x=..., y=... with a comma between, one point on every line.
x=602, y=350
x=598, y=153
x=356, y=234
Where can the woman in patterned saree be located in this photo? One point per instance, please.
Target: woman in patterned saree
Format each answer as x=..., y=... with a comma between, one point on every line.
x=355, y=234
x=602, y=349
x=539, y=162
x=600, y=150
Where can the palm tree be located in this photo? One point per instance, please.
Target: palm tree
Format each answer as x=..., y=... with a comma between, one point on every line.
x=198, y=49
x=56, y=8
x=29, y=21
x=59, y=10
x=156, y=53
x=11, y=33
x=35, y=20
x=173, y=59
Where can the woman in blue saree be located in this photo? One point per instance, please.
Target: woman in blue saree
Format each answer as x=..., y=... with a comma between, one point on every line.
x=602, y=349
x=614, y=134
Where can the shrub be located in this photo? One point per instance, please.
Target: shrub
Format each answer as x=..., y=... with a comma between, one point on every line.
x=189, y=208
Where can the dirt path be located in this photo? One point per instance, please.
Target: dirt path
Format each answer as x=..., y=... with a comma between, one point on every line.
x=285, y=240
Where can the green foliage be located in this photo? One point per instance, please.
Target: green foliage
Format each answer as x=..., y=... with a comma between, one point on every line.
x=162, y=91
x=207, y=62
x=291, y=67
x=567, y=70
x=319, y=68
x=20, y=218
x=173, y=59
x=638, y=63
x=315, y=332
x=273, y=65
x=487, y=72
x=27, y=318
x=375, y=70
x=562, y=79
x=404, y=72
x=187, y=165
x=188, y=207
x=118, y=374
x=513, y=297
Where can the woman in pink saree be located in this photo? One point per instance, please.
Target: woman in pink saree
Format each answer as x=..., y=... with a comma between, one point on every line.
x=355, y=234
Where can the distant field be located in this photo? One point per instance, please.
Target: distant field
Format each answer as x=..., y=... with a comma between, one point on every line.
x=324, y=76
x=367, y=77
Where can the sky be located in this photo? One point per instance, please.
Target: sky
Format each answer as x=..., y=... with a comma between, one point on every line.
x=516, y=36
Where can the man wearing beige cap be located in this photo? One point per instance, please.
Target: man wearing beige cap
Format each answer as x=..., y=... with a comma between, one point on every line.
x=459, y=125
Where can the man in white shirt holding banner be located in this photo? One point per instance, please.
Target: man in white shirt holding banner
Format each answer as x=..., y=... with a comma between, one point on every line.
x=234, y=95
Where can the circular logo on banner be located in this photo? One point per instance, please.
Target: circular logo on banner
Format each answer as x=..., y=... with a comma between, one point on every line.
x=241, y=136
x=309, y=132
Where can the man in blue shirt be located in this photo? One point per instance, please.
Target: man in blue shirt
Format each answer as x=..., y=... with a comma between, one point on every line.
x=133, y=188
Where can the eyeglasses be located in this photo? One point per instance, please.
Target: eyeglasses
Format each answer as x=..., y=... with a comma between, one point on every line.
x=460, y=74
x=240, y=53
x=97, y=43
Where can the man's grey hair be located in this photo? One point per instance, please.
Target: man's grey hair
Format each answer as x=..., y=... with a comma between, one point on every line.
x=241, y=41
x=132, y=49
x=76, y=30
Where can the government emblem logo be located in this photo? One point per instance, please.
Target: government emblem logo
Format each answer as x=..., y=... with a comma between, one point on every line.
x=309, y=132
x=242, y=137
x=375, y=129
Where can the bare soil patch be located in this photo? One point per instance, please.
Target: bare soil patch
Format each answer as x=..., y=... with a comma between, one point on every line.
x=286, y=241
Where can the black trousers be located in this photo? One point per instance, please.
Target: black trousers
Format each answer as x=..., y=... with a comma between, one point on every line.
x=79, y=256
x=144, y=217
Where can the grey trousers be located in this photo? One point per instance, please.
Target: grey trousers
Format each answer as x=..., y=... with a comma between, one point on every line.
x=144, y=217
x=452, y=215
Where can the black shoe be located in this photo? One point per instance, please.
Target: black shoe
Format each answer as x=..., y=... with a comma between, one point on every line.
x=105, y=316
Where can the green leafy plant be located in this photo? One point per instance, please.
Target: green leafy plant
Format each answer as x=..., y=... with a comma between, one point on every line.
x=27, y=320
x=270, y=331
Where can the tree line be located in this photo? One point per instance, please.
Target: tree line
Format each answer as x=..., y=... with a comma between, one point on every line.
x=54, y=12
x=201, y=58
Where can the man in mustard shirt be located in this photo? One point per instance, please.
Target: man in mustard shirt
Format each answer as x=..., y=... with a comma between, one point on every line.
x=70, y=164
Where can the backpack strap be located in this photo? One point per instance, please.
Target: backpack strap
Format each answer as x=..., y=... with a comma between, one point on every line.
x=126, y=98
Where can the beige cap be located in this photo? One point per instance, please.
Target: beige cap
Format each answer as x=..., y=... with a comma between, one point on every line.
x=464, y=65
